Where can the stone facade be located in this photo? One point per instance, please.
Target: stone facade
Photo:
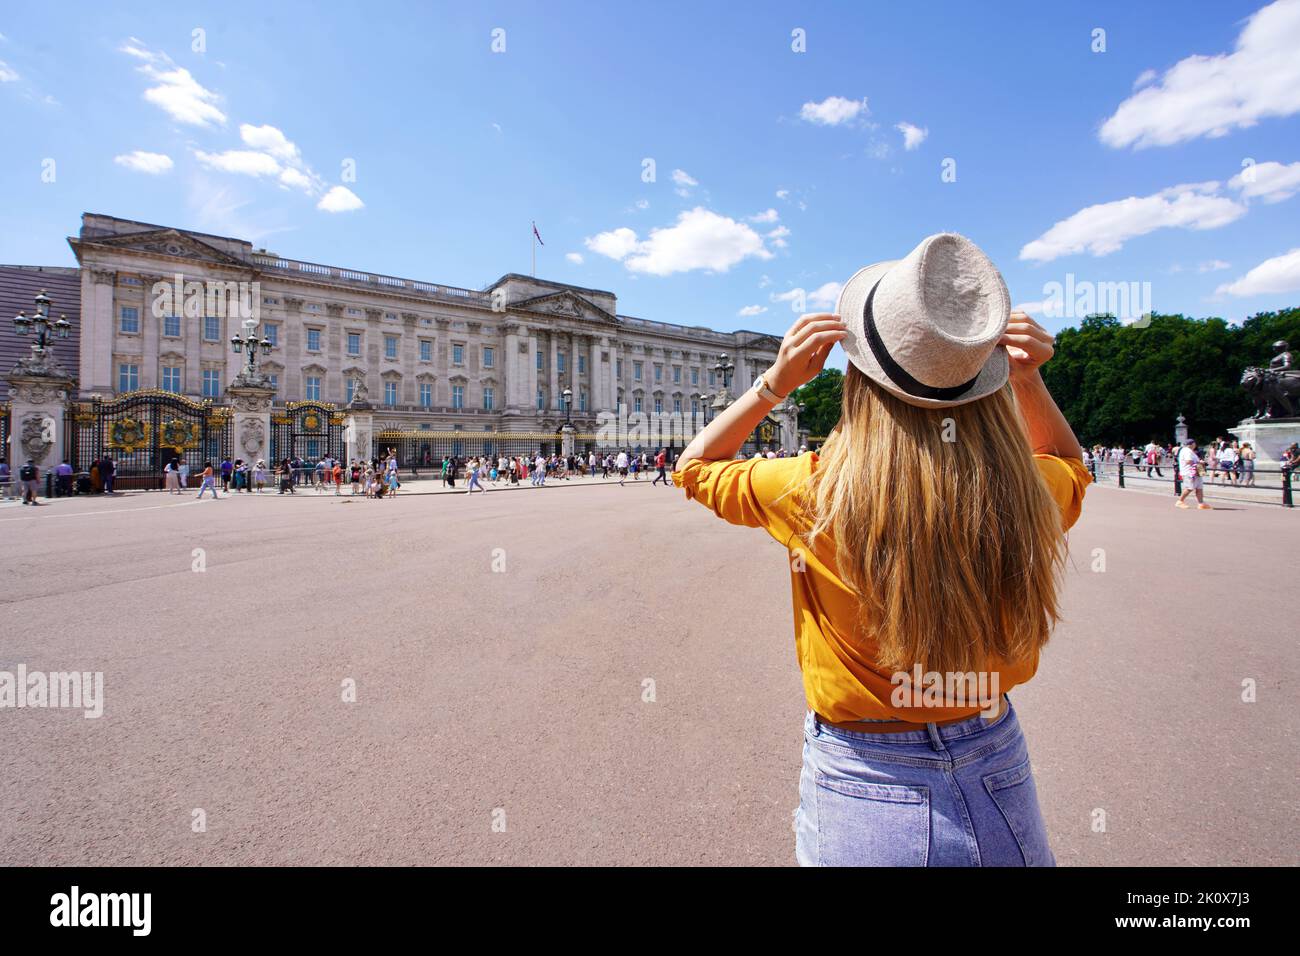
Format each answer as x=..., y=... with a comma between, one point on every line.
x=425, y=355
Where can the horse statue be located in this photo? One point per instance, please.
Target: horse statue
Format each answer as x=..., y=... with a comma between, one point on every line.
x=1275, y=394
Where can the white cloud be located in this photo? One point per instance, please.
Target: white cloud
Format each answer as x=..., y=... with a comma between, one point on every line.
x=700, y=239
x=1104, y=228
x=296, y=179
x=769, y=215
x=684, y=182
x=764, y=281
x=783, y=194
x=7, y=73
x=142, y=162
x=175, y=92
x=574, y=257
x=1279, y=274
x=245, y=162
x=616, y=244
x=1271, y=182
x=643, y=204
x=1145, y=77
x=269, y=140
x=339, y=199
x=1213, y=95
x=751, y=310
x=913, y=136
x=1214, y=265
x=833, y=111
x=825, y=296
x=778, y=236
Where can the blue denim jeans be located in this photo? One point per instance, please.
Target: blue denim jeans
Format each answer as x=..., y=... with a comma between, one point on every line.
x=958, y=795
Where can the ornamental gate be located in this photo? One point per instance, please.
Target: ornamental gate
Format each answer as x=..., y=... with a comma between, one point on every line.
x=141, y=432
x=308, y=431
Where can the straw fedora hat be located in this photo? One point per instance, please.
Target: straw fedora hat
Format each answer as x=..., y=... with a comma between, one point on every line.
x=926, y=327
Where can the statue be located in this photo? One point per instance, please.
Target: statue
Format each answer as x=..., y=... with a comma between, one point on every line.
x=1276, y=389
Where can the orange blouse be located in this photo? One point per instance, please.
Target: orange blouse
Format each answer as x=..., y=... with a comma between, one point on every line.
x=840, y=677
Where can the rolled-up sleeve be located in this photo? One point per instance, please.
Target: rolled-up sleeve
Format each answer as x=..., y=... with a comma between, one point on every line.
x=1067, y=480
x=755, y=492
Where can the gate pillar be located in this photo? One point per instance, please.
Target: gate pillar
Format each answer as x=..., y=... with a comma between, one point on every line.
x=38, y=404
x=252, y=421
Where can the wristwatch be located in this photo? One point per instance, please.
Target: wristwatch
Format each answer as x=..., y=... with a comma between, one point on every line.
x=760, y=386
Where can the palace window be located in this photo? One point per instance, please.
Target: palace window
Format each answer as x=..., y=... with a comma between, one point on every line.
x=390, y=393
x=489, y=394
x=695, y=376
x=426, y=350
x=713, y=378
x=677, y=405
x=541, y=398
x=659, y=373
x=457, y=354
x=540, y=364
x=171, y=378
x=354, y=343
x=582, y=400
x=211, y=328
x=489, y=357
x=677, y=375
x=313, y=388
x=582, y=365
x=130, y=319
x=458, y=397
x=659, y=406
x=636, y=404
x=274, y=379
x=271, y=330
x=172, y=326
x=350, y=389
x=211, y=383
x=559, y=361
x=390, y=346
x=426, y=395
x=636, y=371
x=313, y=340
x=128, y=378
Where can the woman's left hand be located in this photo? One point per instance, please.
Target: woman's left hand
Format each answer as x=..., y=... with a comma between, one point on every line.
x=804, y=351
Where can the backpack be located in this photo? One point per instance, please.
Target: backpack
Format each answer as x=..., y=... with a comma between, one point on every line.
x=27, y=473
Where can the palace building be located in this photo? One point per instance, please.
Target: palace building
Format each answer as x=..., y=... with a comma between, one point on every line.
x=422, y=354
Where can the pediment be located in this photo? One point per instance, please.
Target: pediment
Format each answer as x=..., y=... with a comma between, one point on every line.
x=565, y=303
x=168, y=242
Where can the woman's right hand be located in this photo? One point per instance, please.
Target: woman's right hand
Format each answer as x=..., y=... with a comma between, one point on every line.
x=1028, y=345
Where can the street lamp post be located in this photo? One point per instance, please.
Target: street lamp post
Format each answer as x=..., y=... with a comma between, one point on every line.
x=726, y=367
x=250, y=343
x=568, y=404
x=40, y=323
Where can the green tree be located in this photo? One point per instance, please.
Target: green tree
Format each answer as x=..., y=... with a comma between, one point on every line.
x=821, y=400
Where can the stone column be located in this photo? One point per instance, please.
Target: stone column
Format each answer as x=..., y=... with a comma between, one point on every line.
x=97, y=331
x=252, y=420
x=37, y=406
x=374, y=353
x=554, y=396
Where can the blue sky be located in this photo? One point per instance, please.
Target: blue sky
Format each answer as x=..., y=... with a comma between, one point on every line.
x=775, y=170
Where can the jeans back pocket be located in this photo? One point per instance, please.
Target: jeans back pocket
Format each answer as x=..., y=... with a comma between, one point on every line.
x=871, y=824
x=1017, y=798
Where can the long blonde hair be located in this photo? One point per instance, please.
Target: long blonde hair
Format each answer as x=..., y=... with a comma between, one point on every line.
x=941, y=525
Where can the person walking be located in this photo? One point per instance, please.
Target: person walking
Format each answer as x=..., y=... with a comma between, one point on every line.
x=473, y=472
x=621, y=464
x=209, y=481
x=1247, y=462
x=29, y=481
x=959, y=577
x=227, y=468
x=107, y=473
x=1190, y=469
x=172, y=477
x=5, y=490
x=661, y=462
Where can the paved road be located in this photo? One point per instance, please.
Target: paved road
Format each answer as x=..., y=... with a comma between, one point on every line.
x=517, y=694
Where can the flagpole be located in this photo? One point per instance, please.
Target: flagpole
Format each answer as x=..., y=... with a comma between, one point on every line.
x=533, y=237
